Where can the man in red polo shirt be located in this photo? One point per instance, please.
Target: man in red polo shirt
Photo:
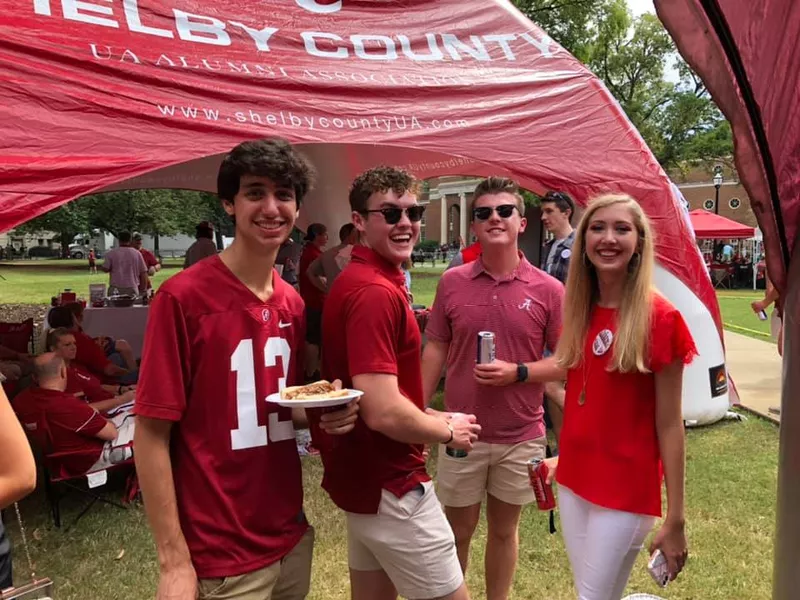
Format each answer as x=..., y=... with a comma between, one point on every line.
x=59, y=422
x=81, y=383
x=398, y=537
x=217, y=463
x=503, y=293
x=89, y=354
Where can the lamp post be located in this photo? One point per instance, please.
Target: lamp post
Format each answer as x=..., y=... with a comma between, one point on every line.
x=717, y=184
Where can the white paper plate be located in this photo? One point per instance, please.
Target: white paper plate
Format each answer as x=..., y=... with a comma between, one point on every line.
x=353, y=394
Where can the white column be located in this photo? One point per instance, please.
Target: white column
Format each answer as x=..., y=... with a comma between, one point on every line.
x=443, y=231
x=464, y=233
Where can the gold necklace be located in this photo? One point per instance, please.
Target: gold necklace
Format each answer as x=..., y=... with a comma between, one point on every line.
x=582, y=396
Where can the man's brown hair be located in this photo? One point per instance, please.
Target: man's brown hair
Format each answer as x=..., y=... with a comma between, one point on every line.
x=54, y=337
x=498, y=185
x=380, y=180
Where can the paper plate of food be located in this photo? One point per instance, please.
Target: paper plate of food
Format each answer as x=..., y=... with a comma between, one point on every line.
x=319, y=394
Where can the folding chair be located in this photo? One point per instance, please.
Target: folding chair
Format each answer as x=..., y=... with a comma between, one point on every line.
x=17, y=336
x=60, y=479
x=59, y=483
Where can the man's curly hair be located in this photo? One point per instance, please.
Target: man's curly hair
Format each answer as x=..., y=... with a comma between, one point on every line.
x=274, y=158
x=380, y=179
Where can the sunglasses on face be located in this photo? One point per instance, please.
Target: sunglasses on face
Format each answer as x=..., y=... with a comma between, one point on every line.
x=483, y=213
x=393, y=214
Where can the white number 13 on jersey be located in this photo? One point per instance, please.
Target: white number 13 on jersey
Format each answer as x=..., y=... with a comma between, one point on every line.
x=249, y=433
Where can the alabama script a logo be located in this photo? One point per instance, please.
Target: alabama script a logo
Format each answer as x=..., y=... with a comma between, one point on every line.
x=321, y=7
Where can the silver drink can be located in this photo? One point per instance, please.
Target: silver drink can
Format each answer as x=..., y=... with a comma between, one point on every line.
x=485, y=347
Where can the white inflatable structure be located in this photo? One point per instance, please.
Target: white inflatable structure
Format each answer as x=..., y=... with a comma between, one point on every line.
x=706, y=392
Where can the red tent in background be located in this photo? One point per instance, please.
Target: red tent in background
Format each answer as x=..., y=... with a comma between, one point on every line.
x=708, y=226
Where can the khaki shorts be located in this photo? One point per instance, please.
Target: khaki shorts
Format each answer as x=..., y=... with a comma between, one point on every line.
x=497, y=469
x=287, y=579
x=411, y=540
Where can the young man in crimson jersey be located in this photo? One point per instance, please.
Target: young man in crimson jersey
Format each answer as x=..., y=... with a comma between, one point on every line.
x=218, y=465
x=398, y=537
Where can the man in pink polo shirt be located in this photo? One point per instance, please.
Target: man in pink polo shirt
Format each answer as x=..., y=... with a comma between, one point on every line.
x=503, y=293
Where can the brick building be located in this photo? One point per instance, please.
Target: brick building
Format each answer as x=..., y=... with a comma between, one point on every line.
x=446, y=217
x=697, y=187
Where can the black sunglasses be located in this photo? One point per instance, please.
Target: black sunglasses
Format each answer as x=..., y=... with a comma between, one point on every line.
x=483, y=213
x=393, y=214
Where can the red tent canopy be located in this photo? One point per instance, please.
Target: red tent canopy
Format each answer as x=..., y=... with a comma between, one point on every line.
x=708, y=226
x=104, y=94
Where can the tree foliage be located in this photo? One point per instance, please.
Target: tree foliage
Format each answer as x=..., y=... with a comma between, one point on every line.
x=66, y=221
x=631, y=55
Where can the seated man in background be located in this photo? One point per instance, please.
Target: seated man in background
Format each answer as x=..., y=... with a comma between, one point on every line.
x=59, y=422
x=83, y=384
x=90, y=355
x=118, y=351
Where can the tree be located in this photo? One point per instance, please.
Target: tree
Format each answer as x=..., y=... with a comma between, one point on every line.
x=66, y=221
x=572, y=23
x=678, y=121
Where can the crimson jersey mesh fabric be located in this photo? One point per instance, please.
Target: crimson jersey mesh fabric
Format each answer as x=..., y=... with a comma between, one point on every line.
x=213, y=352
x=608, y=450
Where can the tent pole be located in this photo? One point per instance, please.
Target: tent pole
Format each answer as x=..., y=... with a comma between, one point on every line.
x=787, y=531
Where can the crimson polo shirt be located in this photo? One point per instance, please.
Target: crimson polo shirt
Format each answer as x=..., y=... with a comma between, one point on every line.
x=85, y=385
x=89, y=354
x=60, y=422
x=523, y=310
x=368, y=327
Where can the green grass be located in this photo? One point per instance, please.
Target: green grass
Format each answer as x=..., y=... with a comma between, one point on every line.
x=423, y=284
x=36, y=281
x=738, y=316
x=731, y=482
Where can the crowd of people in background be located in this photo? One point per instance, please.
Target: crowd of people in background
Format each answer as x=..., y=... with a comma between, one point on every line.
x=583, y=344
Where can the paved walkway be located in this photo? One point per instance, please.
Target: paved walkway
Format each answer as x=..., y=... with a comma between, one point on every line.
x=755, y=368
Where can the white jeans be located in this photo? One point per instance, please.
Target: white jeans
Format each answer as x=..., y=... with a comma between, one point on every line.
x=602, y=545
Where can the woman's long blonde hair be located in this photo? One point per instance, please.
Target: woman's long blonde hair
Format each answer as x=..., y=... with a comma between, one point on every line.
x=633, y=320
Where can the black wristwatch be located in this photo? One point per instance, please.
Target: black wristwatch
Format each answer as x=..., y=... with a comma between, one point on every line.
x=522, y=373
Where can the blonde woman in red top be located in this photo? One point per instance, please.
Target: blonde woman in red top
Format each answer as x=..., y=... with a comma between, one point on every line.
x=622, y=350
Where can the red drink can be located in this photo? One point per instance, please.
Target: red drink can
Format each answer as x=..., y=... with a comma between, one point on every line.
x=537, y=473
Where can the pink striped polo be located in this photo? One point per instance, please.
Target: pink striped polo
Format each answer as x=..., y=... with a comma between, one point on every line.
x=524, y=312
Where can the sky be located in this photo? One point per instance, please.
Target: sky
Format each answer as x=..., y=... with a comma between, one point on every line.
x=641, y=6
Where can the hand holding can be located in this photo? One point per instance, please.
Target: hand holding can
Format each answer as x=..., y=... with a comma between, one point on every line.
x=465, y=431
x=538, y=473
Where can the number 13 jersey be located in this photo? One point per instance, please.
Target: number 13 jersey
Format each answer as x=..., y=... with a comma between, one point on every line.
x=213, y=352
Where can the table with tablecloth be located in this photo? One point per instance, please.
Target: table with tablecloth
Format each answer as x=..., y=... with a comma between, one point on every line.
x=126, y=323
